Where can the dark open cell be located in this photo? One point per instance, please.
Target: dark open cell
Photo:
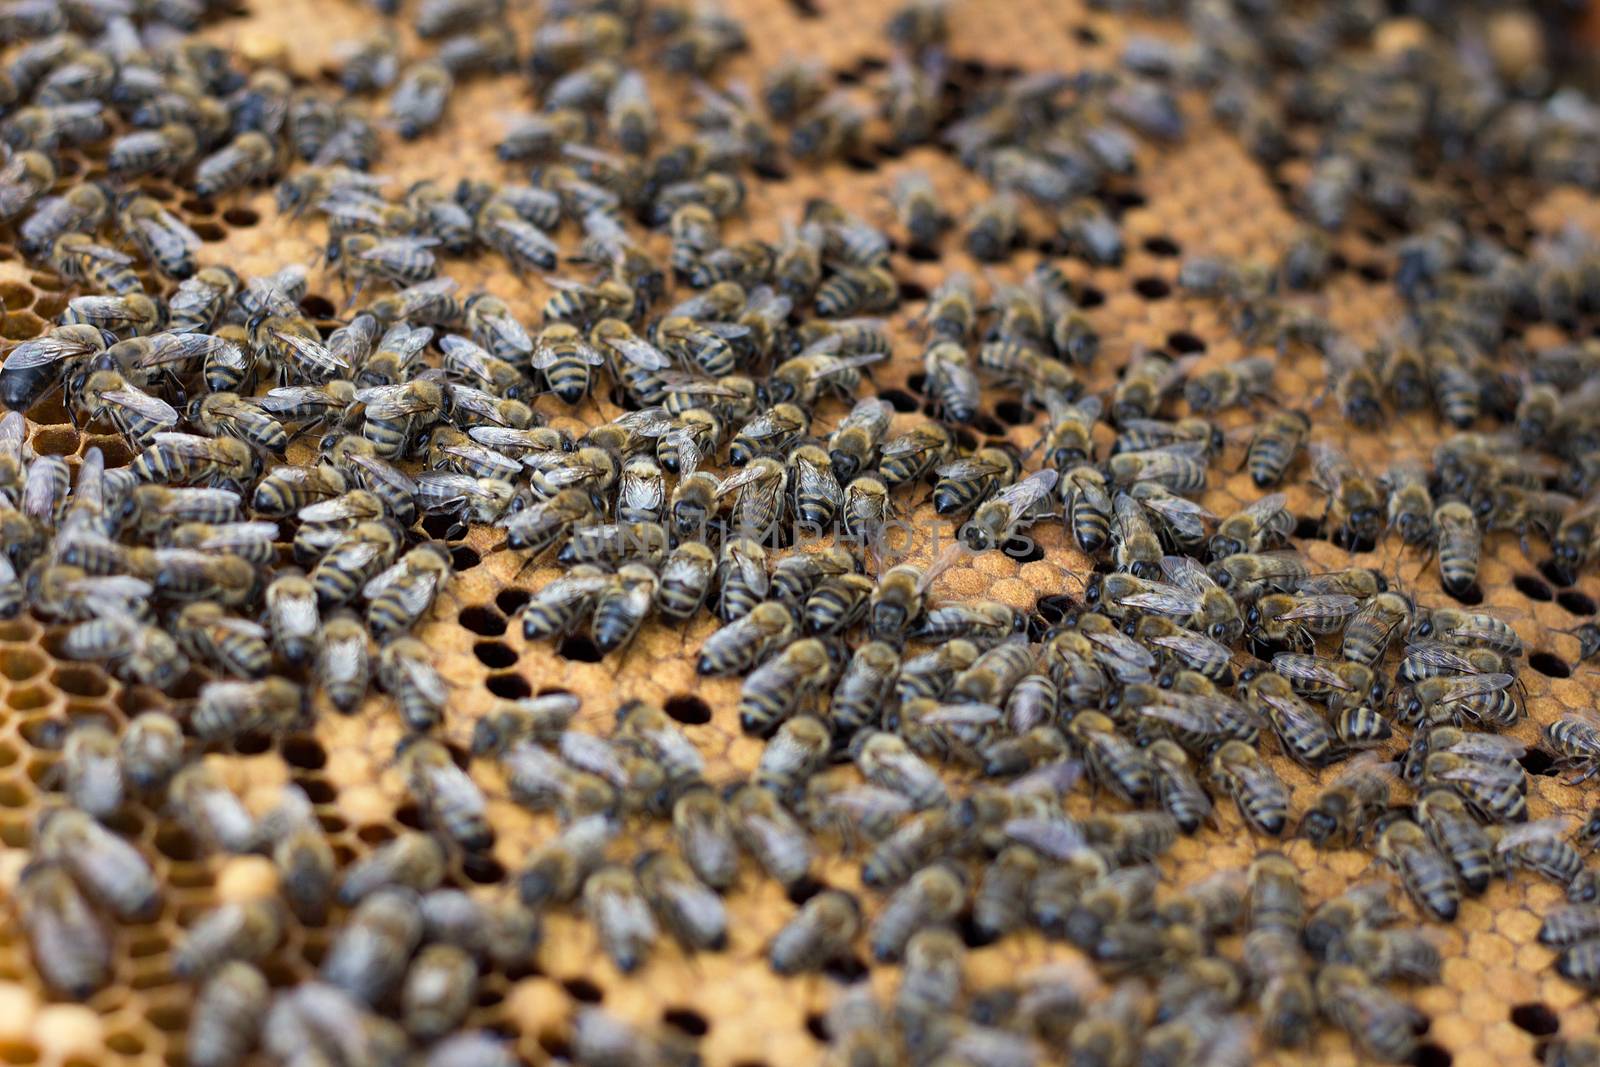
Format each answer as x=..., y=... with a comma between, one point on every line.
x=175, y=843
x=1555, y=573
x=304, y=752
x=410, y=816
x=988, y=425
x=1024, y=550
x=1536, y=1019
x=848, y=970
x=317, y=790
x=495, y=655
x=689, y=710
x=803, y=890
x=1152, y=288
x=1373, y=272
x=817, y=1026
x=1185, y=343
x=1013, y=412
x=1538, y=762
x=1532, y=587
x=1431, y=1056
x=899, y=399
x=251, y=744
x=912, y=291
x=1162, y=246
x=581, y=648
x=581, y=989
x=512, y=686
x=484, y=870
x=973, y=936
x=483, y=621
x=1090, y=297
x=463, y=558
x=511, y=601
x=241, y=217
x=1549, y=665
x=1575, y=602
x=1471, y=596
x=688, y=1020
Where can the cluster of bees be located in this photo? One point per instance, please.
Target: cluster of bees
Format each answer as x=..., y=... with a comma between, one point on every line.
x=939, y=740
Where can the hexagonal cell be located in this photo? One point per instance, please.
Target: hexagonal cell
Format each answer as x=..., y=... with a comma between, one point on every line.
x=19, y=664
x=21, y=326
x=28, y=697
x=15, y=296
x=55, y=441
x=80, y=680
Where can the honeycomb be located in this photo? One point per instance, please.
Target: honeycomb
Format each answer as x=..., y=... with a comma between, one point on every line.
x=1498, y=997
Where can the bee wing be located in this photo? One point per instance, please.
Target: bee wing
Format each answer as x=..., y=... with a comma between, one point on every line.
x=46, y=350
x=111, y=309
x=906, y=443
x=392, y=401
x=1495, y=747
x=752, y=570
x=846, y=363
x=1471, y=631
x=1262, y=510
x=1454, y=689
x=1129, y=515
x=386, y=473
x=441, y=490
x=1310, y=669
x=187, y=445
x=967, y=467
x=160, y=232
x=969, y=714
x=399, y=247
x=506, y=467
x=239, y=535
x=1294, y=711
x=1182, y=514
x=1322, y=606
x=1058, y=777
x=1193, y=645
x=1057, y=838
x=103, y=254
x=1329, y=466
x=769, y=424
x=864, y=802
x=640, y=353
x=1163, y=598
x=1124, y=647
x=1188, y=574
x=1553, y=828
x=743, y=477
x=143, y=404
x=1021, y=497
x=314, y=352
x=1442, y=658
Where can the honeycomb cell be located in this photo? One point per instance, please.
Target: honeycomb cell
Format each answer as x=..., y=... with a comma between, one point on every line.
x=21, y=325
x=80, y=680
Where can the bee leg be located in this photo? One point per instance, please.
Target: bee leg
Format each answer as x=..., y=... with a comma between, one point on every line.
x=1589, y=772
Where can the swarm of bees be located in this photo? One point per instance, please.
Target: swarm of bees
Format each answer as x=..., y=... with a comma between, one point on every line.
x=750, y=471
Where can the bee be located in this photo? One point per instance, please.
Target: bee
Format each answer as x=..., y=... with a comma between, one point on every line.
x=759, y=501
x=916, y=207
x=911, y=455
x=225, y=708
x=1275, y=444
x=993, y=228
x=1539, y=846
x=998, y=519
x=1450, y=825
x=245, y=932
x=773, y=432
x=92, y=770
x=1426, y=874
x=1374, y=625
x=1381, y=1025
x=774, y=690
x=857, y=291
x=1458, y=541
x=966, y=483
x=418, y=99
x=131, y=315
x=405, y=670
x=837, y=603
x=1355, y=506
x=1478, y=697
x=820, y=932
x=209, y=810
x=228, y=1013
x=112, y=871
x=232, y=645
x=853, y=444
x=248, y=158
x=71, y=215
x=1466, y=629
x=748, y=640
x=742, y=577
x=229, y=415
x=426, y=302
x=448, y=798
x=614, y=901
x=796, y=750
x=1179, y=467
x=1410, y=507
x=1347, y=808
x=26, y=177
x=623, y=605
x=70, y=947
x=951, y=382
x=367, y=957
x=1089, y=508
x=151, y=751
x=1261, y=797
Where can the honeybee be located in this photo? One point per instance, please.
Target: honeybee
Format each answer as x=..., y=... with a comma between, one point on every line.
x=405, y=670
x=1374, y=625
x=151, y=750
x=1410, y=508
x=1427, y=876
x=913, y=454
x=35, y=367
x=27, y=176
x=1381, y=1025
x=447, y=796
x=1575, y=739
x=367, y=957
x=1355, y=507
x=1347, y=808
x=1478, y=697
x=822, y=930
x=70, y=947
x=998, y=519
x=249, y=157
x=228, y=1013
x=1275, y=444
x=1261, y=797
x=993, y=228
x=111, y=870
x=73, y=214
x=1458, y=541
